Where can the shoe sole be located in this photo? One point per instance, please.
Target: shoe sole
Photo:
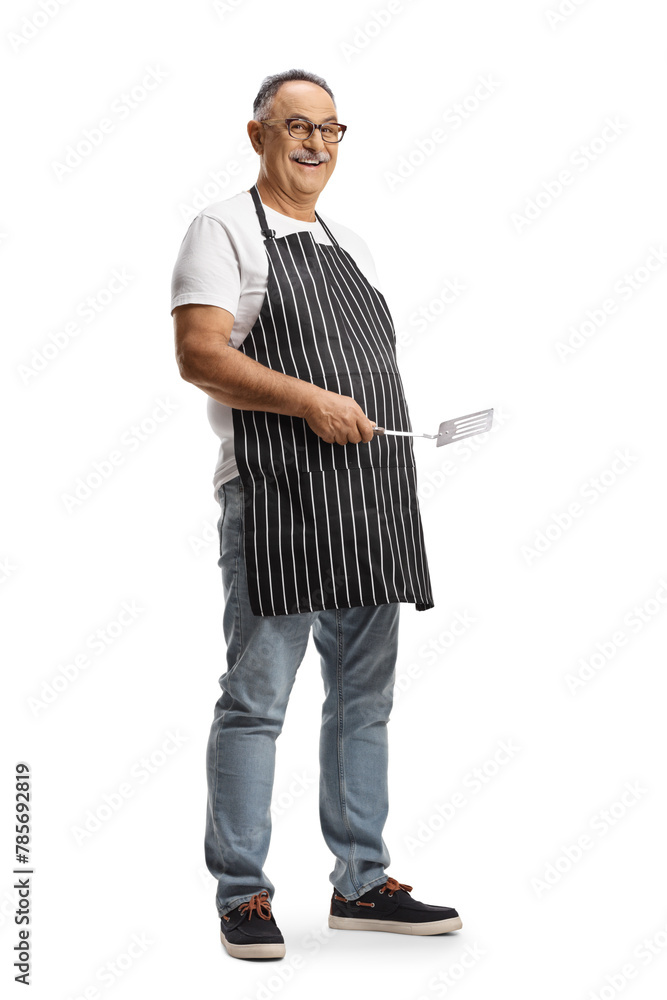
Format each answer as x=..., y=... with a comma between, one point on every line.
x=397, y=926
x=265, y=950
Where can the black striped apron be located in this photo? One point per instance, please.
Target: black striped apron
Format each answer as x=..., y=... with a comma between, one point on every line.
x=327, y=525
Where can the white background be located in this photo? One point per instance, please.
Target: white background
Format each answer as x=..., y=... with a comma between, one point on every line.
x=535, y=923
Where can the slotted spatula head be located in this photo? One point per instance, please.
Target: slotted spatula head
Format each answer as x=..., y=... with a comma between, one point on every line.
x=463, y=427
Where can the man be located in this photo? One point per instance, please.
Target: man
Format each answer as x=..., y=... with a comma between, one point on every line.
x=278, y=319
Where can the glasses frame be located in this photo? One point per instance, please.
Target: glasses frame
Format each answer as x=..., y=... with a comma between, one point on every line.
x=313, y=126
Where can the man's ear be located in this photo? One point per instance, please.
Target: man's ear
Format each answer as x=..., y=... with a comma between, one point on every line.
x=255, y=135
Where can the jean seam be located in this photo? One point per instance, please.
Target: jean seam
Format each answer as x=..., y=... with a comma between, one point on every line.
x=341, y=757
x=215, y=798
x=240, y=541
x=219, y=733
x=222, y=500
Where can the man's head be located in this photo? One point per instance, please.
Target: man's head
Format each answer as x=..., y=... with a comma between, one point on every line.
x=294, y=94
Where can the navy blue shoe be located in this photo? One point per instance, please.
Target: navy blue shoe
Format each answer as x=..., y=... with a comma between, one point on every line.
x=390, y=907
x=250, y=929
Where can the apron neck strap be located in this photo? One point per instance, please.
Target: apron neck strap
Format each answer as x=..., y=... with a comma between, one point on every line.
x=327, y=230
x=267, y=233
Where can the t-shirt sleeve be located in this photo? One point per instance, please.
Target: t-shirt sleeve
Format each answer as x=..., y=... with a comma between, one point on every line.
x=369, y=268
x=366, y=263
x=207, y=268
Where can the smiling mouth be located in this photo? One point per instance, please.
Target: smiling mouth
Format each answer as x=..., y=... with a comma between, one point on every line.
x=310, y=164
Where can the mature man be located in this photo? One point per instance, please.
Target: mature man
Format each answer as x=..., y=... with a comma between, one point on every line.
x=278, y=318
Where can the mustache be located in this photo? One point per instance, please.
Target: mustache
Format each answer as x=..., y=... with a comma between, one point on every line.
x=302, y=154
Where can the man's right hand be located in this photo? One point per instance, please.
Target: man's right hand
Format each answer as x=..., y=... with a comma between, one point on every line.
x=337, y=419
x=205, y=358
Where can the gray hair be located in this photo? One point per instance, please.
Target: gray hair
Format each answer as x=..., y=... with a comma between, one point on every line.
x=262, y=104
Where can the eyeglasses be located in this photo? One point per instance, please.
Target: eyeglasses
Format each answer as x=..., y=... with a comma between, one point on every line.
x=301, y=128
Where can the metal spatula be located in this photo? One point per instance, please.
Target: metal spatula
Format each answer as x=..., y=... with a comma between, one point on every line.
x=452, y=430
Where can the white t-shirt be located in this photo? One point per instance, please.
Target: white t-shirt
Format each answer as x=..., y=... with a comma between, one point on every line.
x=222, y=262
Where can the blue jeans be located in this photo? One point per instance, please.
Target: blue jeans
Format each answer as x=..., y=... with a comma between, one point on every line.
x=357, y=648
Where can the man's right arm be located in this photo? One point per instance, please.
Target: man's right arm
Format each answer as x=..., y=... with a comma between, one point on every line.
x=206, y=359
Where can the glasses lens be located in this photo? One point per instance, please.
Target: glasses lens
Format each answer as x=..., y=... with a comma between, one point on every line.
x=300, y=128
x=332, y=132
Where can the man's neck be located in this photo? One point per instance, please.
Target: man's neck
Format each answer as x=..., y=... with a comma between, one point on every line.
x=279, y=201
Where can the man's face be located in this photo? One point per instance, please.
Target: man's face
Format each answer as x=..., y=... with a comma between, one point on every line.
x=282, y=156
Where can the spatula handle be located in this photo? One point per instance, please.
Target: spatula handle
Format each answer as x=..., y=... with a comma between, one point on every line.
x=383, y=430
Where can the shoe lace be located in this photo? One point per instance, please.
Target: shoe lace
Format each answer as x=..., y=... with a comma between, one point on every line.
x=392, y=886
x=259, y=904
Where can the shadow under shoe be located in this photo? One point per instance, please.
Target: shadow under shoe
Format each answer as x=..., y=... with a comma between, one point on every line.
x=390, y=907
x=250, y=929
